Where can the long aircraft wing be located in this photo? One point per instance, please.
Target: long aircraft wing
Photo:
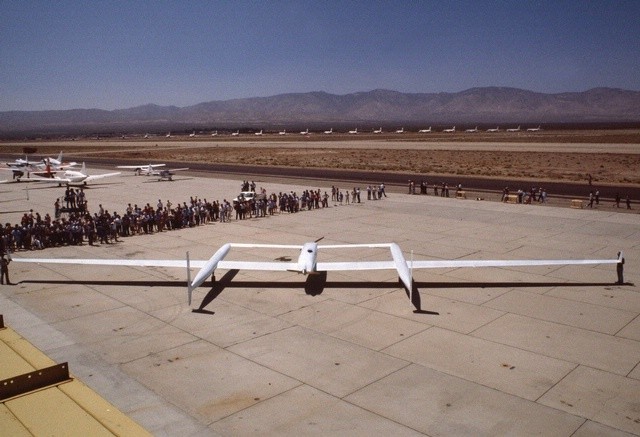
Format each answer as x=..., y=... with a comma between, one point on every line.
x=398, y=262
x=133, y=167
x=53, y=180
x=101, y=176
x=321, y=266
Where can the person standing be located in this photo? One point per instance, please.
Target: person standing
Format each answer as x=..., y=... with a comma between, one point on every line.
x=4, y=269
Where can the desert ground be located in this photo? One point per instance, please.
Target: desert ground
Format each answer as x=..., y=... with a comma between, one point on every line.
x=611, y=157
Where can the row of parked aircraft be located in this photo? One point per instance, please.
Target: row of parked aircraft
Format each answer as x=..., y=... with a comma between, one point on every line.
x=375, y=131
x=54, y=170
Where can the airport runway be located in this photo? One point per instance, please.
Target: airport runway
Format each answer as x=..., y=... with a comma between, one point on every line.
x=397, y=180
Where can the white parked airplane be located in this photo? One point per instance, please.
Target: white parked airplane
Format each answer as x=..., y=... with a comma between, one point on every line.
x=168, y=135
x=167, y=174
x=453, y=129
x=474, y=130
x=258, y=133
x=425, y=131
x=497, y=129
x=400, y=131
x=214, y=133
x=284, y=132
x=192, y=134
x=235, y=134
x=330, y=131
x=307, y=263
x=19, y=162
x=146, y=169
x=56, y=163
x=377, y=131
x=353, y=132
x=72, y=177
x=516, y=129
x=534, y=129
x=305, y=132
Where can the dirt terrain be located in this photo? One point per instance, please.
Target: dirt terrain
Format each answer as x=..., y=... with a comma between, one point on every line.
x=611, y=157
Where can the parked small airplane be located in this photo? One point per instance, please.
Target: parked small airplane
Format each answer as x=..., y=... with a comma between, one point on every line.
x=453, y=129
x=474, y=130
x=400, y=131
x=235, y=134
x=305, y=132
x=497, y=129
x=307, y=263
x=214, y=133
x=168, y=135
x=377, y=131
x=138, y=170
x=353, y=132
x=284, y=132
x=330, y=131
x=534, y=129
x=167, y=174
x=19, y=162
x=516, y=129
x=70, y=177
x=192, y=134
x=56, y=163
x=425, y=131
x=258, y=133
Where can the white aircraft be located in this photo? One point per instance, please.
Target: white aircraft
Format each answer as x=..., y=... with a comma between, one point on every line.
x=377, y=131
x=400, y=131
x=56, y=163
x=138, y=170
x=425, y=131
x=146, y=136
x=168, y=135
x=167, y=174
x=72, y=177
x=307, y=263
x=214, y=134
x=192, y=134
x=305, y=132
x=330, y=131
x=235, y=134
x=516, y=129
x=258, y=133
x=472, y=130
x=534, y=129
x=19, y=162
x=353, y=132
x=497, y=129
x=284, y=132
x=453, y=129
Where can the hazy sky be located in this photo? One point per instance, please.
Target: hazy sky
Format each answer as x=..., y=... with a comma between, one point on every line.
x=118, y=54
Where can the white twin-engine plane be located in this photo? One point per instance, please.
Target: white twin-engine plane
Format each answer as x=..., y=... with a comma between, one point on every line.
x=307, y=263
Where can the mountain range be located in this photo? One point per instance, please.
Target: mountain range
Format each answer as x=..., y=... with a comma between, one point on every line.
x=495, y=105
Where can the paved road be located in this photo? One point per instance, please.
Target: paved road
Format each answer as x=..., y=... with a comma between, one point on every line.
x=363, y=178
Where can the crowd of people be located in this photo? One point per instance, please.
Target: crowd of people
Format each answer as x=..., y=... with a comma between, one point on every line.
x=535, y=194
x=74, y=224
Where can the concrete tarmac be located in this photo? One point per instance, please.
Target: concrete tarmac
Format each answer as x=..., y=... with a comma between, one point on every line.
x=525, y=350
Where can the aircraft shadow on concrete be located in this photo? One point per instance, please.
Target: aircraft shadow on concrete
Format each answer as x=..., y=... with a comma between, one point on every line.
x=315, y=285
x=156, y=180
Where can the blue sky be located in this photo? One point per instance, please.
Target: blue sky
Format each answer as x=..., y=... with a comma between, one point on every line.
x=119, y=54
